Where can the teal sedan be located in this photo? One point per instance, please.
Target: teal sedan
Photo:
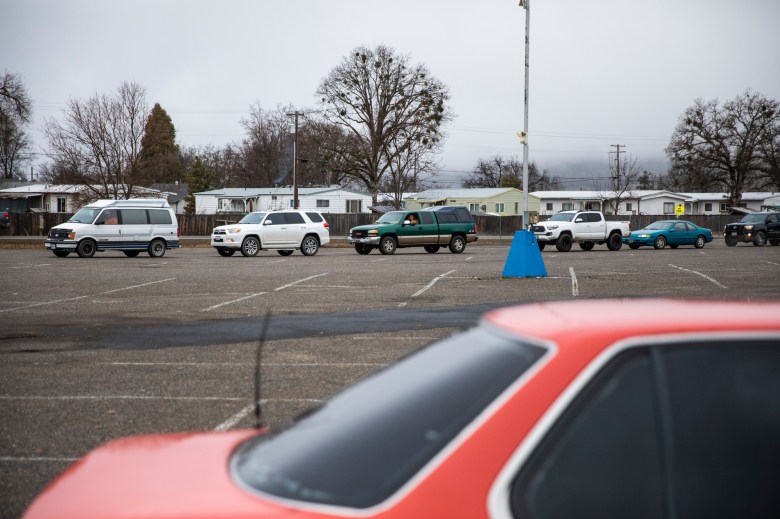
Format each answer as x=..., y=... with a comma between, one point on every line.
x=669, y=232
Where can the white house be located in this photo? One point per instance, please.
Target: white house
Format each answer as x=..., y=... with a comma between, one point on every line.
x=244, y=200
x=55, y=198
x=655, y=202
x=501, y=201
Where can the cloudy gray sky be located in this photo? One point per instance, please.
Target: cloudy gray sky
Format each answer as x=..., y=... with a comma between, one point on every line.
x=602, y=72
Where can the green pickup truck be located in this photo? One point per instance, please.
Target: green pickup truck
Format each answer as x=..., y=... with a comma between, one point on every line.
x=431, y=228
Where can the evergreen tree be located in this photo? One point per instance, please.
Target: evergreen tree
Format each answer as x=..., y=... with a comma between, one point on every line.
x=199, y=180
x=160, y=157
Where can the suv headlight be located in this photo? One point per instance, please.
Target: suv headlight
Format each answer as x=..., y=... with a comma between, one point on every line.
x=233, y=230
x=748, y=227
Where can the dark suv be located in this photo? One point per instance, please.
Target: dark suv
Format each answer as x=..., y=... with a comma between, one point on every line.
x=758, y=228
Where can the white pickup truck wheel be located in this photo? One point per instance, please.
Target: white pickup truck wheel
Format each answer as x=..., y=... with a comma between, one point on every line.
x=615, y=241
x=564, y=243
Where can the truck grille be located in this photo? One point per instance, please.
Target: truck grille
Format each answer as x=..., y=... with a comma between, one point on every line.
x=538, y=228
x=359, y=234
x=58, y=234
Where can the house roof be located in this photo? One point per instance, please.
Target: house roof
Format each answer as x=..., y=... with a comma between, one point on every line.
x=43, y=189
x=250, y=192
x=445, y=194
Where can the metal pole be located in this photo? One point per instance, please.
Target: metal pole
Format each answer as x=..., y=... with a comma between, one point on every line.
x=526, y=222
x=295, y=159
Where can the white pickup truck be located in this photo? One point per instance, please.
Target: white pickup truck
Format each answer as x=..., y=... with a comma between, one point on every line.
x=587, y=228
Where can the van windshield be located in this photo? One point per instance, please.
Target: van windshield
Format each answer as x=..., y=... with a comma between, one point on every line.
x=84, y=215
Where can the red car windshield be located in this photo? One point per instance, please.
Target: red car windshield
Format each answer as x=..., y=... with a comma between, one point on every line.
x=370, y=439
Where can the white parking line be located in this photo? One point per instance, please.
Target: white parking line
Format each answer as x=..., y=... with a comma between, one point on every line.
x=243, y=413
x=82, y=297
x=773, y=263
x=575, y=286
x=36, y=458
x=700, y=274
x=426, y=287
x=212, y=307
x=288, y=285
x=137, y=286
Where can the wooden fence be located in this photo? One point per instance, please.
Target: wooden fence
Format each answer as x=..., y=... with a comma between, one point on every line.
x=38, y=224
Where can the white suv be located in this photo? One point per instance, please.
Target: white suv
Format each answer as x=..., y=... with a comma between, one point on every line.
x=283, y=231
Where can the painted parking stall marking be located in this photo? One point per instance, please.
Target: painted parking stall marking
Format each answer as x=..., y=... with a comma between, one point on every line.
x=426, y=287
x=705, y=276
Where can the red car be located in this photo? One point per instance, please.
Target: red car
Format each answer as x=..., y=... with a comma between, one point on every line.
x=633, y=408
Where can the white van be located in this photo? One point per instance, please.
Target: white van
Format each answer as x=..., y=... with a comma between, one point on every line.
x=131, y=226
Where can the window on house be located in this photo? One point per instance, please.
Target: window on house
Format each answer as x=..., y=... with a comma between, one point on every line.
x=354, y=206
x=323, y=203
x=629, y=207
x=62, y=205
x=568, y=206
x=591, y=206
x=722, y=208
x=668, y=207
x=500, y=208
x=474, y=208
x=549, y=206
x=708, y=207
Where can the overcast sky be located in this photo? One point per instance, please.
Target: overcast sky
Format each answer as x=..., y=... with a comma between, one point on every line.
x=602, y=72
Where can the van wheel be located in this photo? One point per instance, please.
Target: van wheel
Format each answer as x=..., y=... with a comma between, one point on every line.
x=563, y=244
x=132, y=253
x=157, y=248
x=86, y=249
x=310, y=246
x=457, y=244
x=225, y=252
x=284, y=252
x=61, y=253
x=615, y=241
x=250, y=246
x=433, y=249
x=387, y=245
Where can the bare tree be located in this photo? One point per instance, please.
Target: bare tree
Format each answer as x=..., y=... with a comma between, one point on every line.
x=385, y=104
x=15, y=112
x=503, y=172
x=624, y=177
x=735, y=145
x=14, y=100
x=99, y=141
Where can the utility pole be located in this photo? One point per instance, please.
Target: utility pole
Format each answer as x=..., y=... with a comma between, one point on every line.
x=295, y=114
x=617, y=164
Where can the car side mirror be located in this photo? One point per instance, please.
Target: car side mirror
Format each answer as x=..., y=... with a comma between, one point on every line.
x=267, y=222
x=578, y=220
x=407, y=222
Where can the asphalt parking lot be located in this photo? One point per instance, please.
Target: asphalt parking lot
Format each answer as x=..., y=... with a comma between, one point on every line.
x=94, y=349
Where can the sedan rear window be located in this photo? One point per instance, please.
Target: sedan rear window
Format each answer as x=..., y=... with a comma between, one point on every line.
x=370, y=439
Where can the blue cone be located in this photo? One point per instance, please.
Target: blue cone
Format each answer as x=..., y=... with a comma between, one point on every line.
x=525, y=258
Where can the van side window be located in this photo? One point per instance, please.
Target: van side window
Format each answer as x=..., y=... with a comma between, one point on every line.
x=108, y=217
x=157, y=216
x=134, y=216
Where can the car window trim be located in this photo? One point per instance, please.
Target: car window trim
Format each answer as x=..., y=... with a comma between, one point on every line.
x=499, y=496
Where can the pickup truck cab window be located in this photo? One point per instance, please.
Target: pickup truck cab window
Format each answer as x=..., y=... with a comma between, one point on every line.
x=426, y=217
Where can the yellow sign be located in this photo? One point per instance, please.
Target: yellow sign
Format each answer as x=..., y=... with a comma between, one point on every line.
x=680, y=209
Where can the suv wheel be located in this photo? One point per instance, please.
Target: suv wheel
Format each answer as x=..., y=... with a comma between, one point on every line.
x=250, y=246
x=310, y=246
x=731, y=242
